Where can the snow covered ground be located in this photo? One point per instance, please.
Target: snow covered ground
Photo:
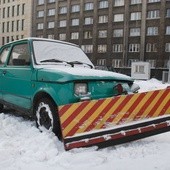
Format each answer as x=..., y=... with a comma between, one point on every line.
x=23, y=147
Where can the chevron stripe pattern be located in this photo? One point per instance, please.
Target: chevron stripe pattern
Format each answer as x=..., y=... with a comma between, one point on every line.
x=93, y=115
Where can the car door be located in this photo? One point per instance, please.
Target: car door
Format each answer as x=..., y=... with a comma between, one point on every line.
x=16, y=81
x=3, y=57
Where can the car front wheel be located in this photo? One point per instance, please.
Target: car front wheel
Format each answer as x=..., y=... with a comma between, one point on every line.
x=46, y=116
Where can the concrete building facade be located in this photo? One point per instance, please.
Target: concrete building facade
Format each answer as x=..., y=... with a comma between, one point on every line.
x=15, y=20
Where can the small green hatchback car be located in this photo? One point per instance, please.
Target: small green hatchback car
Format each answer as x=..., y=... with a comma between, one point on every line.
x=37, y=75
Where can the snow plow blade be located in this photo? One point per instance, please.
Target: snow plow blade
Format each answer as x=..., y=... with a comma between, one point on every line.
x=115, y=120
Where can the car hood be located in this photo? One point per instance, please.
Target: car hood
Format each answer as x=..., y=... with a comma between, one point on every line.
x=64, y=74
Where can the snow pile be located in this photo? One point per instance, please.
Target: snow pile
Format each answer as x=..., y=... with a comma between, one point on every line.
x=24, y=147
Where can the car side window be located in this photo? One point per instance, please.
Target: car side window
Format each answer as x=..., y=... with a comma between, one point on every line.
x=20, y=55
x=3, y=55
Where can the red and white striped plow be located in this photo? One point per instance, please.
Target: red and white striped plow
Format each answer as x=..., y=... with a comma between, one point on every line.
x=115, y=120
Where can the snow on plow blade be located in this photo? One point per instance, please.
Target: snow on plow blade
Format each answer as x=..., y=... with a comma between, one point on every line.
x=115, y=120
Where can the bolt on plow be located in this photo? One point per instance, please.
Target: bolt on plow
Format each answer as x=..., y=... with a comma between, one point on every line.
x=115, y=120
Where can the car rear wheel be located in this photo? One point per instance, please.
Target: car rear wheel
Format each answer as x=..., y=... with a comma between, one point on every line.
x=1, y=107
x=47, y=117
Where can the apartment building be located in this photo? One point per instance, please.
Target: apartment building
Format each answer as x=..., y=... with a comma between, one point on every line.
x=113, y=33
x=15, y=20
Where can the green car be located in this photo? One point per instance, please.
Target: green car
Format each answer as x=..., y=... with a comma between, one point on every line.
x=38, y=75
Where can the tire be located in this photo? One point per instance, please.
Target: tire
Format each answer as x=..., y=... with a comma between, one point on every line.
x=1, y=107
x=47, y=117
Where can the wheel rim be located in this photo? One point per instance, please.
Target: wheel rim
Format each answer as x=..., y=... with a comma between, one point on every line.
x=44, y=116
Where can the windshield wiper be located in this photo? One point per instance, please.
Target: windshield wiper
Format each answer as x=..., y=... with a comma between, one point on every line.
x=52, y=60
x=79, y=62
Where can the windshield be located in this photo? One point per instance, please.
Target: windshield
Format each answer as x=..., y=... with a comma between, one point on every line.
x=51, y=52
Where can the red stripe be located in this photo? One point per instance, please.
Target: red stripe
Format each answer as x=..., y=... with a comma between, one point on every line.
x=167, y=105
x=119, y=108
x=101, y=114
x=133, y=107
x=84, y=118
x=161, y=99
x=74, y=114
x=145, y=106
x=64, y=109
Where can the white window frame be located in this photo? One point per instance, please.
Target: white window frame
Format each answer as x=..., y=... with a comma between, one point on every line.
x=88, y=6
x=102, y=48
x=62, y=36
x=101, y=62
x=63, y=10
x=134, y=48
x=74, y=35
x=151, y=47
x=117, y=48
x=88, y=34
x=118, y=17
x=87, y=48
x=103, y=4
x=134, y=16
x=40, y=26
x=167, y=47
x=102, y=34
x=40, y=14
x=62, y=23
x=51, y=12
x=117, y=63
x=168, y=30
x=134, y=32
x=51, y=24
x=103, y=19
x=88, y=20
x=152, y=31
x=75, y=8
x=136, y=2
x=153, y=14
x=119, y=3
x=75, y=22
x=118, y=32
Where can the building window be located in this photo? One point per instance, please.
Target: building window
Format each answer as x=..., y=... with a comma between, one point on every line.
x=152, y=31
x=51, y=1
x=135, y=16
x=118, y=33
x=151, y=47
x=88, y=6
x=51, y=24
x=22, y=24
x=40, y=26
x=101, y=62
x=63, y=23
x=40, y=2
x=75, y=22
x=51, y=12
x=103, y=19
x=102, y=33
x=136, y=2
x=88, y=34
x=23, y=9
x=153, y=14
x=118, y=48
x=152, y=63
x=167, y=47
x=17, y=29
x=74, y=35
x=118, y=17
x=168, y=13
x=87, y=48
x=134, y=32
x=50, y=36
x=119, y=3
x=40, y=14
x=75, y=8
x=103, y=4
x=134, y=47
x=63, y=10
x=130, y=61
x=168, y=30
x=116, y=63
x=88, y=20
x=62, y=36
x=152, y=1
x=102, y=48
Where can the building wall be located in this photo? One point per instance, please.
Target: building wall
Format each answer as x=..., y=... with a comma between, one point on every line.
x=121, y=31
x=15, y=20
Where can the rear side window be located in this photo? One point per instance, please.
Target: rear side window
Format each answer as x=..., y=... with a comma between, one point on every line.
x=3, y=55
x=20, y=55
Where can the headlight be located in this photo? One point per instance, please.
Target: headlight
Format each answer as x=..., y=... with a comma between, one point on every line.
x=80, y=89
